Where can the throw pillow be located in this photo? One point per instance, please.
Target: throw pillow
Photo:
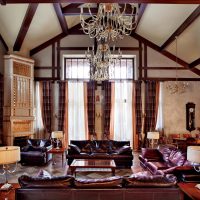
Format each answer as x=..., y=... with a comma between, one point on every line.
x=43, y=174
x=75, y=148
x=111, y=182
x=123, y=149
x=54, y=182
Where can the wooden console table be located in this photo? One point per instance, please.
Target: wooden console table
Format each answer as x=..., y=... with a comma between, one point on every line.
x=10, y=194
x=189, y=191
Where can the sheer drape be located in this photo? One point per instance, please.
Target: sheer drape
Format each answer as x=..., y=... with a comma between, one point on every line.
x=39, y=127
x=76, y=115
x=123, y=128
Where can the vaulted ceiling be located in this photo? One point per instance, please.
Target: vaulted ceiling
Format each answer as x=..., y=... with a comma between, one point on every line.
x=24, y=27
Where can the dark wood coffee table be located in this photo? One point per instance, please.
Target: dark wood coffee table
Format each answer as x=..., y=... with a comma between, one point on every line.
x=91, y=165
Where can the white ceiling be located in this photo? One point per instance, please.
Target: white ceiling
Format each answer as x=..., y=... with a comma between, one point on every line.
x=159, y=21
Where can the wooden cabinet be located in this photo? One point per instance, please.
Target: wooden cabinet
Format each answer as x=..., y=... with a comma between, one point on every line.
x=18, y=110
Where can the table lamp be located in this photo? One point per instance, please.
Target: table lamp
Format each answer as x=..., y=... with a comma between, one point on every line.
x=57, y=135
x=8, y=155
x=193, y=155
x=152, y=136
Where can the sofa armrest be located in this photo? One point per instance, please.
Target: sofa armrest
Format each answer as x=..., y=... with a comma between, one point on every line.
x=151, y=154
x=25, y=148
x=178, y=169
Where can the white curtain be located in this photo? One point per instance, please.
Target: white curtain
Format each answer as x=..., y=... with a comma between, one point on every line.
x=76, y=117
x=123, y=128
x=160, y=119
x=39, y=127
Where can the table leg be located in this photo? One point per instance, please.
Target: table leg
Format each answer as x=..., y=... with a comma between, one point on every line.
x=113, y=171
x=53, y=159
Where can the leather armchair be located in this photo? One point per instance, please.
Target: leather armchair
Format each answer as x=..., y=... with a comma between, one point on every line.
x=36, y=152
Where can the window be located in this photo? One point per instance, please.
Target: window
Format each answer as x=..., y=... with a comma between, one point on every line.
x=79, y=68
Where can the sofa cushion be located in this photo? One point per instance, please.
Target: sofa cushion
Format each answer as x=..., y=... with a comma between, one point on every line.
x=140, y=180
x=177, y=158
x=111, y=182
x=43, y=174
x=123, y=150
x=54, y=182
x=75, y=148
x=165, y=150
x=86, y=148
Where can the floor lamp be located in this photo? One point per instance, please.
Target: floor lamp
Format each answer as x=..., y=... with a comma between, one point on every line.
x=8, y=155
x=152, y=136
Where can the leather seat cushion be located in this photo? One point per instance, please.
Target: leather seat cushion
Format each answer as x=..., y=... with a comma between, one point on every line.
x=111, y=182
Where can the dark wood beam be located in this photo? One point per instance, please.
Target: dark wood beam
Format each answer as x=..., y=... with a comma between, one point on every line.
x=140, y=13
x=145, y=62
x=140, y=60
x=3, y=42
x=85, y=48
x=25, y=26
x=47, y=43
x=53, y=40
x=171, y=79
x=73, y=9
x=58, y=60
x=164, y=68
x=106, y=1
x=61, y=18
x=165, y=53
x=194, y=15
x=194, y=63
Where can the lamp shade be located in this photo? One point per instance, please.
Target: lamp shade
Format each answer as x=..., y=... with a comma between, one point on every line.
x=153, y=135
x=9, y=154
x=57, y=134
x=193, y=154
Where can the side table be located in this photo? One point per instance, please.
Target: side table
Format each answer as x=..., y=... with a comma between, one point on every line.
x=58, y=151
x=10, y=194
x=189, y=191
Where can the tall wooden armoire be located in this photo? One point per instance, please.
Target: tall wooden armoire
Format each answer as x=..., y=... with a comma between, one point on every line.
x=18, y=110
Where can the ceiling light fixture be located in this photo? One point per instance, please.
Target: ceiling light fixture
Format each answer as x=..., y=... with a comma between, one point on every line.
x=102, y=61
x=177, y=87
x=110, y=22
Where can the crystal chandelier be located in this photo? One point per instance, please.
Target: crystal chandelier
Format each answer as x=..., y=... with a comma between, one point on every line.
x=102, y=61
x=110, y=22
x=177, y=87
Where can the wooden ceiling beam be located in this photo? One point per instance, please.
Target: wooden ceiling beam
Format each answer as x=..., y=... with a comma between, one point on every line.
x=53, y=40
x=140, y=13
x=194, y=63
x=25, y=26
x=165, y=53
x=61, y=18
x=3, y=42
x=193, y=16
x=47, y=43
x=105, y=1
x=73, y=9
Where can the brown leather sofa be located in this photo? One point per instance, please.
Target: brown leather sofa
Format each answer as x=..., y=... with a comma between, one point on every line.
x=119, y=151
x=35, y=152
x=165, y=160
x=135, y=187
